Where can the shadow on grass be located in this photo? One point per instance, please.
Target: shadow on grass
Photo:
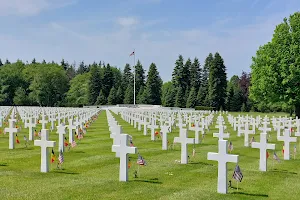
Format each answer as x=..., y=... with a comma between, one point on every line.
x=64, y=172
x=152, y=180
x=200, y=163
x=3, y=164
x=79, y=152
x=282, y=171
x=248, y=194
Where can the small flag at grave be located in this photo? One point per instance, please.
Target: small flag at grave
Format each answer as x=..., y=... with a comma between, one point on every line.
x=61, y=158
x=140, y=160
x=276, y=157
x=73, y=144
x=17, y=139
x=237, y=174
x=66, y=142
x=52, y=156
x=230, y=147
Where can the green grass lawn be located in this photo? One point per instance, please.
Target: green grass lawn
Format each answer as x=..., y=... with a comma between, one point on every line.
x=91, y=170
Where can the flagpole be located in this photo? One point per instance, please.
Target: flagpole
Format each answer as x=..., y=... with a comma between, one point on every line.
x=134, y=77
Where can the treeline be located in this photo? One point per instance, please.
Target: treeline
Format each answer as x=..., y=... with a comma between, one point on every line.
x=64, y=84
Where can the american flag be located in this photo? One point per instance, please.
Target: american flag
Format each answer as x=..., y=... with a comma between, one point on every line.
x=276, y=157
x=73, y=144
x=230, y=146
x=80, y=136
x=237, y=174
x=252, y=140
x=132, y=54
x=140, y=160
x=61, y=158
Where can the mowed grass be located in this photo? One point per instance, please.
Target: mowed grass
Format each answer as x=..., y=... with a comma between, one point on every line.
x=91, y=170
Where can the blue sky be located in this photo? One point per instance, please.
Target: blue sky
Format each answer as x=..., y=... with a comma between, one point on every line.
x=159, y=30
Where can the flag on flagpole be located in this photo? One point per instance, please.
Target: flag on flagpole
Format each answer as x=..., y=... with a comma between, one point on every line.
x=237, y=174
x=132, y=54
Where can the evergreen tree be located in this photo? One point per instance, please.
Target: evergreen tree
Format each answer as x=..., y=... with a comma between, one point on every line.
x=1, y=63
x=120, y=95
x=139, y=76
x=217, y=83
x=7, y=62
x=101, y=100
x=33, y=61
x=139, y=98
x=94, y=85
x=128, y=98
x=127, y=77
x=202, y=97
x=153, y=86
x=192, y=99
x=107, y=80
x=44, y=61
x=82, y=68
x=170, y=97
x=179, y=99
x=176, y=75
x=112, y=98
x=64, y=64
x=195, y=74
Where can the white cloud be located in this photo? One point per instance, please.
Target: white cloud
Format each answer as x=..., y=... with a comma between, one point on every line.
x=127, y=22
x=30, y=7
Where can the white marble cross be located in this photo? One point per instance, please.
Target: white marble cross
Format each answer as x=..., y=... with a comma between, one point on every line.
x=31, y=125
x=44, y=144
x=152, y=127
x=71, y=127
x=221, y=133
x=196, y=128
x=263, y=146
x=287, y=139
x=164, y=130
x=116, y=132
x=43, y=121
x=247, y=132
x=184, y=140
x=222, y=157
x=124, y=150
x=61, y=130
x=12, y=130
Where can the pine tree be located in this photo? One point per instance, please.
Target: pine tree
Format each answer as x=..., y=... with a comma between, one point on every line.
x=202, y=97
x=94, y=85
x=153, y=86
x=44, y=61
x=64, y=64
x=139, y=76
x=7, y=62
x=101, y=100
x=128, y=98
x=127, y=77
x=1, y=64
x=82, y=68
x=179, y=99
x=195, y=74
x=33, y=61
x=112, y=98
x=120, y=95
x=217, y=83
x=140, y=98
x=176, y=75
x=192, y=99
x=107, y=80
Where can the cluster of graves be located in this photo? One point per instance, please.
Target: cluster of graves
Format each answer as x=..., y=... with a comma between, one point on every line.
x=56, y=118
x=200, y=122
x=150, y=120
